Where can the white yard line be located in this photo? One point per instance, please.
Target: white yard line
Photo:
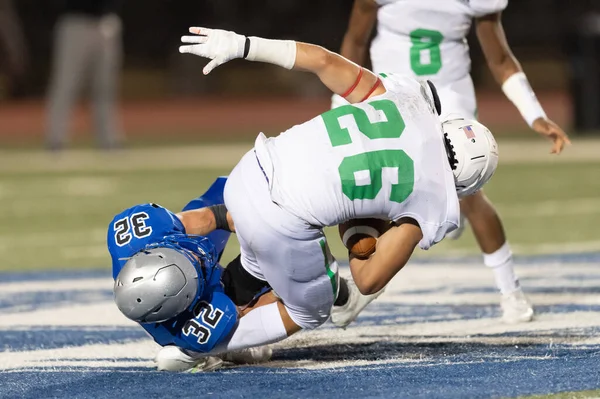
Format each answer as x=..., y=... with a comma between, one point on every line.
x=564, y=207
x=563, y=247
x=84, y=284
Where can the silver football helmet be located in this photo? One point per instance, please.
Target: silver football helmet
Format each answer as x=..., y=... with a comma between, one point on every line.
x=156, y=285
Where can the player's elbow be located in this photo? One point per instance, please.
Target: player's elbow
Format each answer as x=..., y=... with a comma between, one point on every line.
x=369, y=285
x=322, y=58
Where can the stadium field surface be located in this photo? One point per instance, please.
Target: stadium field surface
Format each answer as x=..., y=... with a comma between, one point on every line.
x=56, y=207
x=434, y=333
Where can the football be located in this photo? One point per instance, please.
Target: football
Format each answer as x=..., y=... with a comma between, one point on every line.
x=360, y=235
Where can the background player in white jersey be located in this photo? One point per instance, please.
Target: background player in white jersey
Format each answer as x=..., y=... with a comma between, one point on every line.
x=387, y=156
x=427, y=38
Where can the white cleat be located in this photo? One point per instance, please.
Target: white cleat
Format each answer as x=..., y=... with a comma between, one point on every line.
x=455, y=234
x=343, y=315
x=516, y=308
x=171, y=358
x=259, y=354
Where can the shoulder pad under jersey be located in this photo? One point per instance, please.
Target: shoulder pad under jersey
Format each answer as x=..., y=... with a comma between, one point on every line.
x=134, y=228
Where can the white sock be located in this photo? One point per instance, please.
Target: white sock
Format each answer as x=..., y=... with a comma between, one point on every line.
x=501, y=263
x=260, y=326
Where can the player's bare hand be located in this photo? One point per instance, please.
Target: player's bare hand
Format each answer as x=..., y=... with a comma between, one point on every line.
x=551, y=130
x=218, y=45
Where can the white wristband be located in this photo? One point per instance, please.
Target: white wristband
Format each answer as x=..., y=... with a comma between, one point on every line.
x=519, y=91
x=278, y=52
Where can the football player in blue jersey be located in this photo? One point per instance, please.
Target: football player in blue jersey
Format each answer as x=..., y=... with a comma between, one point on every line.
x=172, y=284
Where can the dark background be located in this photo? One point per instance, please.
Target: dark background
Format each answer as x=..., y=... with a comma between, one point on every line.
x=541, y=33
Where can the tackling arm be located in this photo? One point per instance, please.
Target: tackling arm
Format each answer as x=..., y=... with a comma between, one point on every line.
x=508, y=73
x=336, y=72
x=203, y=221
x=394, y=249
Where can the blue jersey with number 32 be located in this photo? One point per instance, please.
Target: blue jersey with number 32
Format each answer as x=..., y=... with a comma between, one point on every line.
x=213, y=315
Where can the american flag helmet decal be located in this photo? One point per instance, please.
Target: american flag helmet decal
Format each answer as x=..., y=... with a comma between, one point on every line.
x=469, y=131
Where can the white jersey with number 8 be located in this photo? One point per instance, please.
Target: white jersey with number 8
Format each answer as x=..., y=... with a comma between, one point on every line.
x=427, y=37
x=384, y=157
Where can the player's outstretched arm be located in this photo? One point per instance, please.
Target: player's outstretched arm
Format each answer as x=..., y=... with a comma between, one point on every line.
x=508, y=73
x=394, y=249
x=336, y=72
x=206, y=220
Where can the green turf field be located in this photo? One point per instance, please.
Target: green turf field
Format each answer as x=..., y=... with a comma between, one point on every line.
x=55, y=208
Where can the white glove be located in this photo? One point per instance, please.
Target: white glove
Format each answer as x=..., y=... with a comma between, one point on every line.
x=338, y=101
x=218, y=45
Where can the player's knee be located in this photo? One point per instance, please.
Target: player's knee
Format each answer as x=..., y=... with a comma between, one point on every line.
x=309, y=319
x=315, y=320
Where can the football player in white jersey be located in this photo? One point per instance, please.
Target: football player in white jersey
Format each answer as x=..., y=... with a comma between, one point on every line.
x=387, y=156
x=427, y=39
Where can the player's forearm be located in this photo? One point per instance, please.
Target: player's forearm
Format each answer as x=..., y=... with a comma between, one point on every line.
x=394, y=249
x=337, y=73
x=506, y=68
x=340, y=75
x=503, y=67
x=204, y=221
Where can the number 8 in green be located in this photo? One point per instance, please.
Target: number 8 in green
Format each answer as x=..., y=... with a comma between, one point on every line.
x=425, y=40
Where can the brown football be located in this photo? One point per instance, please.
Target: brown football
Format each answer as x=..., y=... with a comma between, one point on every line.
x=360, y=235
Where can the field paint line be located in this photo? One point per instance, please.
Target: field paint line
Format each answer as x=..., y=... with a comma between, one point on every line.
x=473, y=331
x=492, y=299
x=564, y=247
x=564, y=207
x=544, y=248
x=144, y=349
x=337, y=364
x=104, y=313
x=56, y=286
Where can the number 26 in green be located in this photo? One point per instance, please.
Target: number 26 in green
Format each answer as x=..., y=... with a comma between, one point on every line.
x=371, y=163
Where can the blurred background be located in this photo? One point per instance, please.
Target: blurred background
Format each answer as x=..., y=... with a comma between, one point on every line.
x=99, y=111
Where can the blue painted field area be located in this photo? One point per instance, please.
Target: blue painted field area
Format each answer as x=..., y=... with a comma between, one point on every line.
x=435, y=333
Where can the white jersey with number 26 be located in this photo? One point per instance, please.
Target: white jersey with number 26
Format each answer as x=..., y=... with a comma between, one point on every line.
x=427, y=37
x=384, y=158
